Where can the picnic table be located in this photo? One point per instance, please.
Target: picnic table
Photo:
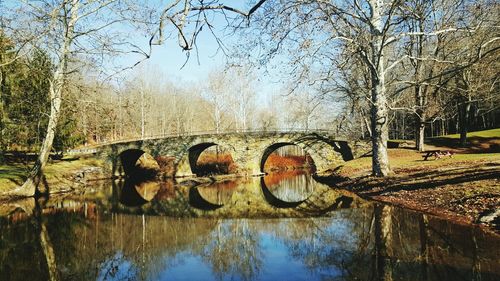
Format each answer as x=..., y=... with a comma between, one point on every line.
x=437, y=154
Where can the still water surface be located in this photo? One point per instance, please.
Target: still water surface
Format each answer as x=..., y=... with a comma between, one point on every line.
x=279, y=227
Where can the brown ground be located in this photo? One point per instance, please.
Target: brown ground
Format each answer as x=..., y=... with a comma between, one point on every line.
x=458, y=188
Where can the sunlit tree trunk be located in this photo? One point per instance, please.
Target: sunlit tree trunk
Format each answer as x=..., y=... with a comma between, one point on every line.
x=143, y=117
x=420, y=124
x=419, y=89
x=55, y=92
x=379, y=120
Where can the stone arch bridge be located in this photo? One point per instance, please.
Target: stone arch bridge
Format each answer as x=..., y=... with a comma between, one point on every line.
x=249, y=150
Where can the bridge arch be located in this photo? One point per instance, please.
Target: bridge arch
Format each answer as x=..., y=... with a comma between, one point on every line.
x=147, y=166
x=128, y=159
x=196, y=150
x=273, y=147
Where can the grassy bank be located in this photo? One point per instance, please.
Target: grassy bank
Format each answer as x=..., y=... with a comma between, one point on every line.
x=477, y=142
x=493, y=133
x=461, y=188
x=57, y=173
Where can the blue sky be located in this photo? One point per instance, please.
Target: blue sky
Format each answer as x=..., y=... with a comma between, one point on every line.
x=169, y=58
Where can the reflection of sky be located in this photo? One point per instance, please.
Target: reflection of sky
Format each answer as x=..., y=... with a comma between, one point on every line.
x=283, y=258
x=281, y=266
x=186, y=267
x=117, y=268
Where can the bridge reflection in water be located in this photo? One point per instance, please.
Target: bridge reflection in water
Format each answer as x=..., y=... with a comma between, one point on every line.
x=290, y=186
x=167, y=235
x=286, y=189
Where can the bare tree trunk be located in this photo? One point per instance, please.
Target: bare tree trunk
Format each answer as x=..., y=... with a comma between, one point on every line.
x=367, y=123
x=443, y=130
x=380, y=159
x=30, y=186
x=2, y=113
x=464, y=121
x=419, y=91
x=420, y=114
x=143, y=122
x=420, y=132
x=403, y=127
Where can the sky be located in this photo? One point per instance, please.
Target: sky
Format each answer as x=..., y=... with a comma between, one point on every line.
x=170, y=59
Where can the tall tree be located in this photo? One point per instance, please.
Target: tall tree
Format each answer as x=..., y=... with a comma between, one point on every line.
x=68, y=29
x=7, y=69
x=72, y=29
x=322, y=37
x=312, y=30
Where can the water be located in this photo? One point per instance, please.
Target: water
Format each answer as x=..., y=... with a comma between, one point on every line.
x=281, y=227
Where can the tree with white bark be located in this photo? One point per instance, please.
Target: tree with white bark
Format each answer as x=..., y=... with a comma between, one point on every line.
x=74, y=29
x=323, y=37
x=70, y=30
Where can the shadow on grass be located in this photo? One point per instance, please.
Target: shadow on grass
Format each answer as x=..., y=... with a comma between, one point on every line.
x=424, y=180
x=17, y=175
x=473, y=145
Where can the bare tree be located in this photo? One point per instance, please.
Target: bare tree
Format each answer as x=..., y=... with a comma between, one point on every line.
x=242, y=95
x=72, y=29
x=315, y=28
x=323, y=37
x=434, y=57
x=77, y=34
x=217, y=95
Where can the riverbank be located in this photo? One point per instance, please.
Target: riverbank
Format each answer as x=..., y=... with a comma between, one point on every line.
x=464, y=188
x=59, y=175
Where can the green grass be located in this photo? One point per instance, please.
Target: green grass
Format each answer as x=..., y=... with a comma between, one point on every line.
x=407, y=158
x=400, y=140
x=15, y=174
x=68, y=166
x=493, y=133
x=12, y=174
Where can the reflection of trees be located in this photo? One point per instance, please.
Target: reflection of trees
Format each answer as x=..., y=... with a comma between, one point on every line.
x=218, y=193
x=46, y=245
x=21, y=252
x=90, y=243
x=290, y=188
x=415, y=246
x=29, y=250
x=132, y=246
x=332, y=248
x=380, y=243
x=387, y=243
x=234, y=251
x=383, y=236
